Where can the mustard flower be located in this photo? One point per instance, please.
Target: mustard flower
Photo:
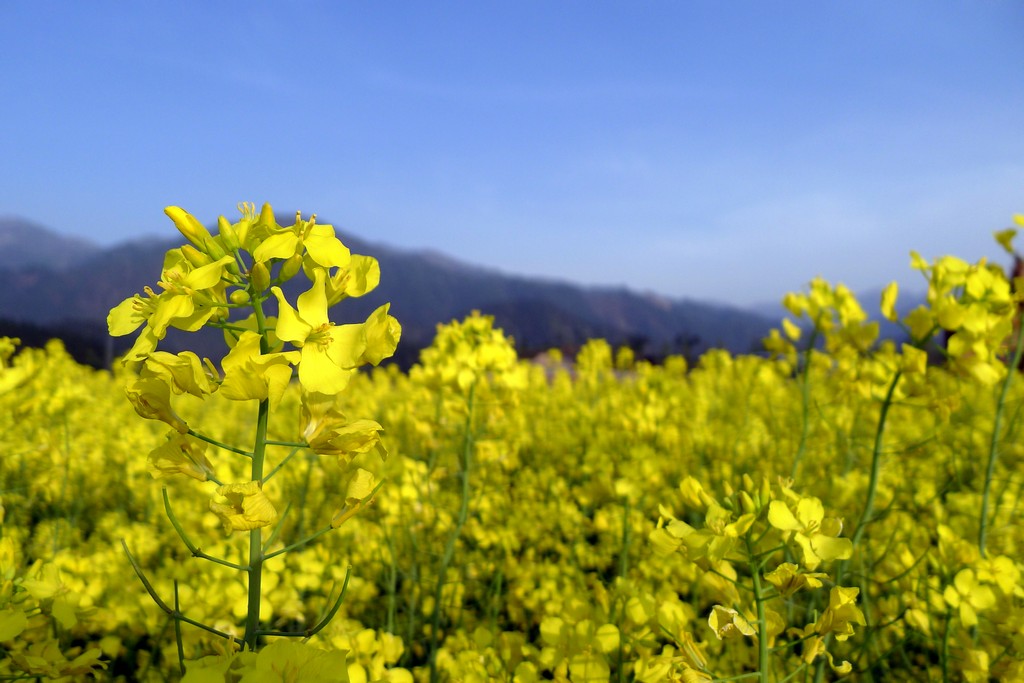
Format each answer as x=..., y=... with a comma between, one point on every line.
x=358, y=492
x=728, y=623
x=11, y=376
x=190, y=298
x=888, y=306
x=975, y=666
x=814, y=533
x=151, y=398
x=1005, y=238
x=694, y=494
x=713, y=543
x=180, y=454
x=327, y=431
x=331, y=353
x=915, y=360
x=279, y=662
x=360, y=276
x=245, y=506
x=321, y=245
x=968, y=596
x=788, y=579
x=249, y=374
x=1003, y=572
x=12, y=623
x=842, y=613
x=814, y=647
x=183, y=373
x=44, y=658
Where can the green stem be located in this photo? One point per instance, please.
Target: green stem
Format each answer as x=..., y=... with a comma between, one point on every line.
x=218, y=444
x=283, y=462
x=309, y=633
x=945, y=647
x=289, y=444
x=763, y=661
x=876, y=461
x=391, y=584
x=192, y=547
x=173, y=613
x=277, y=529
x=993, y=449
x=869, y=505
x=627, y=538
x=297, y=544
x=252, y=617
x=805, y=395
x=177, y=632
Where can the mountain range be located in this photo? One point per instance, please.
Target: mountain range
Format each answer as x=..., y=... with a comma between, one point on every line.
x=53, y=285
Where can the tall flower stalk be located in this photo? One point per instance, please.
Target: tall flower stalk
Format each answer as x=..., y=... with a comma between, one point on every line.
x=225, y=282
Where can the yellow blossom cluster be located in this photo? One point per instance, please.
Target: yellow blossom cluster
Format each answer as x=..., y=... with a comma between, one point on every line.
x=841, y=510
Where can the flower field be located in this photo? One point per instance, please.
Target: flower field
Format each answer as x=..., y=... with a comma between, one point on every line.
x=838, y=508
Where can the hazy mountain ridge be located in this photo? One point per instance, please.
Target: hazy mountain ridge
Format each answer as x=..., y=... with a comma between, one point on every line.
x=24, y=243
x=424, y=287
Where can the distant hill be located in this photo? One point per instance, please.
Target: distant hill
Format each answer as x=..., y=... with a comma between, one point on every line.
x=23, y=243
x=78, y=288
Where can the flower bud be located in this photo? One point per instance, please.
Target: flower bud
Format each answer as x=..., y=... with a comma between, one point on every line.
x=747, y=481
x=197, y=258
x=266, y=218
x=227, y=234
x=187, y=225
x=259, y=276
x=239, y=297
x=291, y=267
x=195, y=232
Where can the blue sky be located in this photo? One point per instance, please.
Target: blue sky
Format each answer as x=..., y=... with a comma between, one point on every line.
x=724, y=151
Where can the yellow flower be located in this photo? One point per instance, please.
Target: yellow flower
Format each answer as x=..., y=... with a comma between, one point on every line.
x=151, y=398
x=788, y=579
x=842, y=613
x=791, y=329
x=889, y=301
x=12, y=623
x=321, y=245
x=360, y=276
x=713, y=543
x=975, y=667
x=1005, y=239
x=12, y=376
x=813, y=532
x=328, y=432
x=190, y=298
x=184, y=372
x=244, y=507
x=968, y=596
x=180, y=454
x=361, y=487
x=248, y=374
x=1003, y=572
x=727, y=623
x=282, y=661
x=331, y=353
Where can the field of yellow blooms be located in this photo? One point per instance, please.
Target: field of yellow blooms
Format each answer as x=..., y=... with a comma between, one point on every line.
x=836, y=509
